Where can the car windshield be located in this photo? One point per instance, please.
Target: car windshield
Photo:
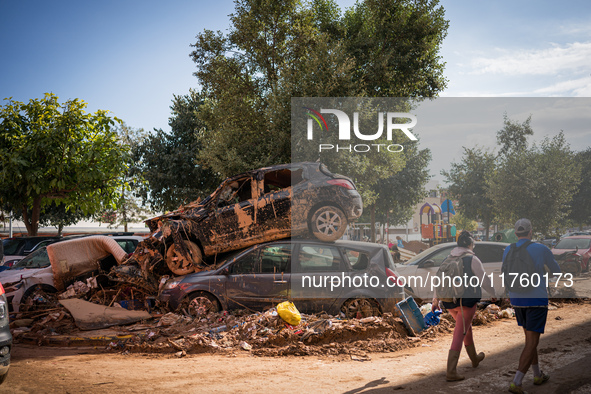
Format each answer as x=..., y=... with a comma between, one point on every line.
x=573, y=243
x=418, y=257
x=37, y=259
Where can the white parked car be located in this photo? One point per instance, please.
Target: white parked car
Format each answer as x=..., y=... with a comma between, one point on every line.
x=419, y=270
x=51, y=269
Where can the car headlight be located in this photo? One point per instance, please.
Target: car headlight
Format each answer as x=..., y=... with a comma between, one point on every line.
x=3, y=313
x=171, y=284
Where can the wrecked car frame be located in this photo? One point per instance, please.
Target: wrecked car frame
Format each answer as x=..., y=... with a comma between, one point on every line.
x=257, y=206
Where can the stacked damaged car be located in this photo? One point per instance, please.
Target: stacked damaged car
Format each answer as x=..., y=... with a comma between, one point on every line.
x=258, y=235
x=263, y=238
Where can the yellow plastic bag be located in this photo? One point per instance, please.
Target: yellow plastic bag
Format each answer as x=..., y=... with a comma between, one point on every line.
x=288, y=312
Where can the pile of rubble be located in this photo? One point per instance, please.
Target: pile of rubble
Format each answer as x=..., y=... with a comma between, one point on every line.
x=262, y=334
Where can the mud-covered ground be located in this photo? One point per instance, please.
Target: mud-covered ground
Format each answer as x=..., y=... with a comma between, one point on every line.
x=419, y=366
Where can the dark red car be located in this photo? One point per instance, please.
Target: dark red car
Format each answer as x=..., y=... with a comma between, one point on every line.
x=580, y=245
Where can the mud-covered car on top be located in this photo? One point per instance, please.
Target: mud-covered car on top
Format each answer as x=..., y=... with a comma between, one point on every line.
x=257, y=206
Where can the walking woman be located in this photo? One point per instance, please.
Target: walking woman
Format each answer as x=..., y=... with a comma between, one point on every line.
x=463, y=309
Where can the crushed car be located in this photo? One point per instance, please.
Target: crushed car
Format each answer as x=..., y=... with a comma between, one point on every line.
x=38, y=278
x=267, y=204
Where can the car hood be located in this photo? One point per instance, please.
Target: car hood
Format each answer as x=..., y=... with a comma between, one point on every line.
x=194, y=211
x=558, y=252
x=13, y=276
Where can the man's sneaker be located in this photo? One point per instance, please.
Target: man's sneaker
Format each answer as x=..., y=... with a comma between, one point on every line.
x=543, y=378
x=515, y=389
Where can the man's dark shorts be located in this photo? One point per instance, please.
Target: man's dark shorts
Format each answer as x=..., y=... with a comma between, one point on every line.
x=532, y=318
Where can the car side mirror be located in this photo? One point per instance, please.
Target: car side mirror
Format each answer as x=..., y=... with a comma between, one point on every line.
x=427, y=264
x=225, y=271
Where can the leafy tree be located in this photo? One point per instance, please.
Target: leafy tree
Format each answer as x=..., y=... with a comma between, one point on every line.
x=536, y=183
x=513, y=136
x=166, y=161
x=581, y=203
x=52, y=152
x=399, y=193
x=278, y=50
x=60, y=216
x=464, y=223
x=467, y=184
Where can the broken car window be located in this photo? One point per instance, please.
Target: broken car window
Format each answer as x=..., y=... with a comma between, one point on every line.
x=235, y=192
x=359, y=260
x=281, y=179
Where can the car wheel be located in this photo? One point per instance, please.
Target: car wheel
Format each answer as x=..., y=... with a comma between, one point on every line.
x=201, y=304
x=328, y=223
x=572, y=266
x=358, y=308
x=39, y=298
x=180, y=264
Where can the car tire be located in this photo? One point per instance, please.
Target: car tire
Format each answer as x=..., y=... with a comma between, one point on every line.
x=181, y=265
x=39, y=298
x=200, y=304
x=572, y=266
x=328, y=223
x=358, y=308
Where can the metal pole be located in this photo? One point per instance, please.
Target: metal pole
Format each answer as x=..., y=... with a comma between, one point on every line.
x=10, y=226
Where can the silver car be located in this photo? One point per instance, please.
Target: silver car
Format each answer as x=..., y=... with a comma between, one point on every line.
x=419, y=270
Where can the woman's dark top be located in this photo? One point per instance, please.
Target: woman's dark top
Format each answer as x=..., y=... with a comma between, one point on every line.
x=472, y=295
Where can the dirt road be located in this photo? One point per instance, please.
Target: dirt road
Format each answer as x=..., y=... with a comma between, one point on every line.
x=565, y=353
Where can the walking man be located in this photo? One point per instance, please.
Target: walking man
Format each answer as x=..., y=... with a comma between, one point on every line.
x=530, y=303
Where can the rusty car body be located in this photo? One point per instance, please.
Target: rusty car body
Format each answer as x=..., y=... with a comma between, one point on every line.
x=266, y=274
x=257, y=206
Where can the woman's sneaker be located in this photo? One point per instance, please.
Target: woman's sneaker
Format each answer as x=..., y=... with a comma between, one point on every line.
x=543, y=378
x=515, y=389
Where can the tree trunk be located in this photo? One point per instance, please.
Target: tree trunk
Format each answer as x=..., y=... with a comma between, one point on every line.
x=60, y=228
x=486, y=226
x=32, y=222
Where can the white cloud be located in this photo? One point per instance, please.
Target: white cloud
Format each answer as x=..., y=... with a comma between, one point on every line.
x=580, y=87
x=548, y=61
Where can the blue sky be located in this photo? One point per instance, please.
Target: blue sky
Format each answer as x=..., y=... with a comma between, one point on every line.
x=130, y=57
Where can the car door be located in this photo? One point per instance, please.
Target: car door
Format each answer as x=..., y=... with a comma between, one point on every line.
x=261, y=277
x=232, y=221
x=420, y=282
x=315, y=272
x=492, y=261
x=274, y=202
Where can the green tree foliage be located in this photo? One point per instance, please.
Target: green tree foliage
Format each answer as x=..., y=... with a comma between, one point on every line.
x=512, y=138
x=127, y=207
x=166, y=161
x=467, y=184
x=52, y=152
x=465, y=223
x=537, y=183
x=399, y=193
x=60, y=216
x=581, y=203
x=278, y=50
x=395, y=45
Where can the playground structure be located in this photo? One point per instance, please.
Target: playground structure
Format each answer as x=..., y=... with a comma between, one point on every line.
x=437, y=229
